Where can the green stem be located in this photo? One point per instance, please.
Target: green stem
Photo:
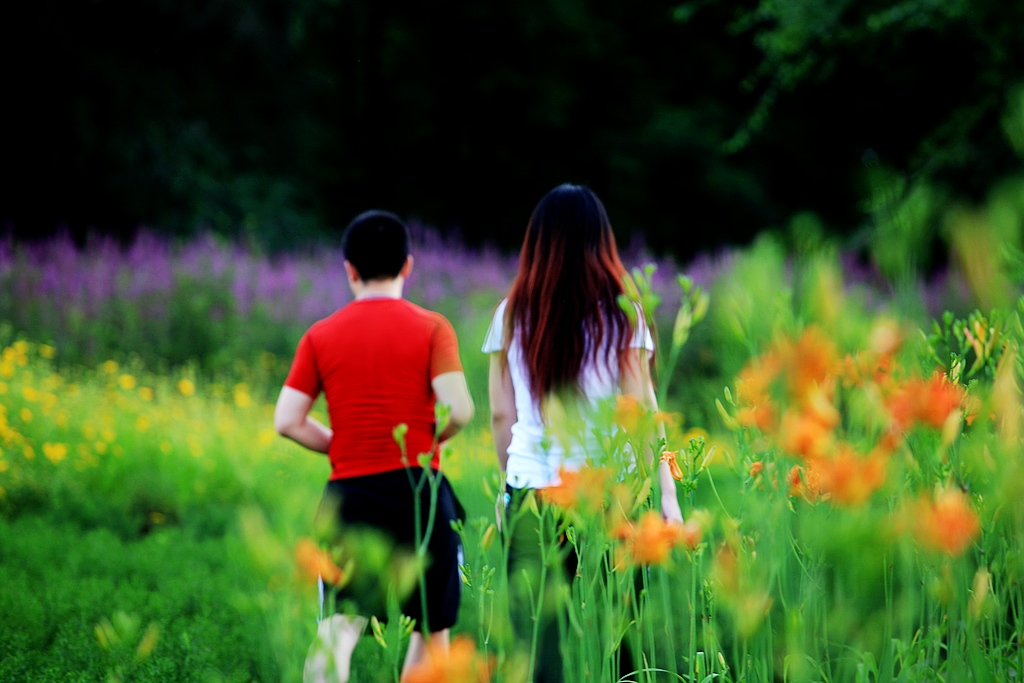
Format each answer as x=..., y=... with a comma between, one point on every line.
x=670, y=628
x=539, y=606
x=693, y=619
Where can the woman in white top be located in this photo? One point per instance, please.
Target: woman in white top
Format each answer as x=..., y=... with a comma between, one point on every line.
x=561, y=331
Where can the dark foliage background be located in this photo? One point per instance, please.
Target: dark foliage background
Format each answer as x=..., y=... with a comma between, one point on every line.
x=698, y=124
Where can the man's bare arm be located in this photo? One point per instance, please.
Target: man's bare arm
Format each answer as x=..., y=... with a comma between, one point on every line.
x=451, y=390
x=291, y=419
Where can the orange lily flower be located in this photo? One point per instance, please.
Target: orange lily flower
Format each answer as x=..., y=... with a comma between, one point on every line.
x=314, y=562
x=804, y=483
x=763, y=416
x=803, y=434
x=947, y=524
x=849, y=479
x=812, y=360
x=628, y=412
x=459, y=663
x=754, y=381
x=649, y=540
x=691, y=534
x=929, y=401
x=578, y=488
x=941, y=397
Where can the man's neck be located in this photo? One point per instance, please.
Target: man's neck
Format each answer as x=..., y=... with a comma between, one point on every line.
x=378, y=289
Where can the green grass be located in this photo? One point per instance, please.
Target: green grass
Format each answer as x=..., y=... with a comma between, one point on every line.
x=61, y=580
x=224, y=607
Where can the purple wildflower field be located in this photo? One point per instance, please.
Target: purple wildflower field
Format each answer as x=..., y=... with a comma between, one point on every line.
x=106, y=298
x=214, y=302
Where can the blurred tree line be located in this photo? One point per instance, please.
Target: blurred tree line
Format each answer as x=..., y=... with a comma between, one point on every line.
x=699, y=123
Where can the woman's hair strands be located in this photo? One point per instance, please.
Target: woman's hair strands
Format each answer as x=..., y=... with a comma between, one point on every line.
x=563, y=308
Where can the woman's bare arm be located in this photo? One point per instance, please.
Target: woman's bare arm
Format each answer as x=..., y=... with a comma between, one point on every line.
x=503, y=407
x=635, y=380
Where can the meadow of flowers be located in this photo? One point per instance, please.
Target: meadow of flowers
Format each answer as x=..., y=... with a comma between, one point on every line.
x=848, y=458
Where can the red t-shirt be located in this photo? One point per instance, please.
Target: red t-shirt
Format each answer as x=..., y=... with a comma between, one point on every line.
x=374, y=360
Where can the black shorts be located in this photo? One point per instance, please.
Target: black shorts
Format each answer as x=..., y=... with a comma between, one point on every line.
x=373, y=519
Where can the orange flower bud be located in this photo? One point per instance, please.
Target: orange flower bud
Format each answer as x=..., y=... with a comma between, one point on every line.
x=669, y=458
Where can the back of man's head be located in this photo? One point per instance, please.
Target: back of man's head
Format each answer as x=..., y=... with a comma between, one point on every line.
x=376, y=243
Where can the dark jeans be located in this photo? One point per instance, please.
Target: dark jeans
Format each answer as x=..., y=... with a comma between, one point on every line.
x=372, y=518
x=538, y=551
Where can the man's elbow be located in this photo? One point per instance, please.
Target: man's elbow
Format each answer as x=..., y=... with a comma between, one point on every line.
x=462, y=414
x=284, y=424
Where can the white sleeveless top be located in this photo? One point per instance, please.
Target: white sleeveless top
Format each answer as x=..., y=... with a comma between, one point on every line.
x=535, y=456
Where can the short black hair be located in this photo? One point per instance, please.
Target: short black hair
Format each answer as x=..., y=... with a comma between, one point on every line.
x=376, y=243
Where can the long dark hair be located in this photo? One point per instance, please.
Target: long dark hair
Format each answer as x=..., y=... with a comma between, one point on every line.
x=563, y=307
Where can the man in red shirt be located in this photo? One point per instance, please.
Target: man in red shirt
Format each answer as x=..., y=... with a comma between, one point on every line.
x=381, y=361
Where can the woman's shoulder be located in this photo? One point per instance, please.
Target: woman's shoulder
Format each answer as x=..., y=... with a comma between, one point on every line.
x=494, y=340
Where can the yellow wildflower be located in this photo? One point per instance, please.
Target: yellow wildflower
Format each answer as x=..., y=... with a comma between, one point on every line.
x=55, y=452
x=109, y=367
x=29, y=394
x=126, y=381
x=26, y=415
x=47, y=351
x=29, y=452
x=186, y=387
x=267, y=435
x=142, y=423
x=146, y=394
x=242, y=398
x=4, y=466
